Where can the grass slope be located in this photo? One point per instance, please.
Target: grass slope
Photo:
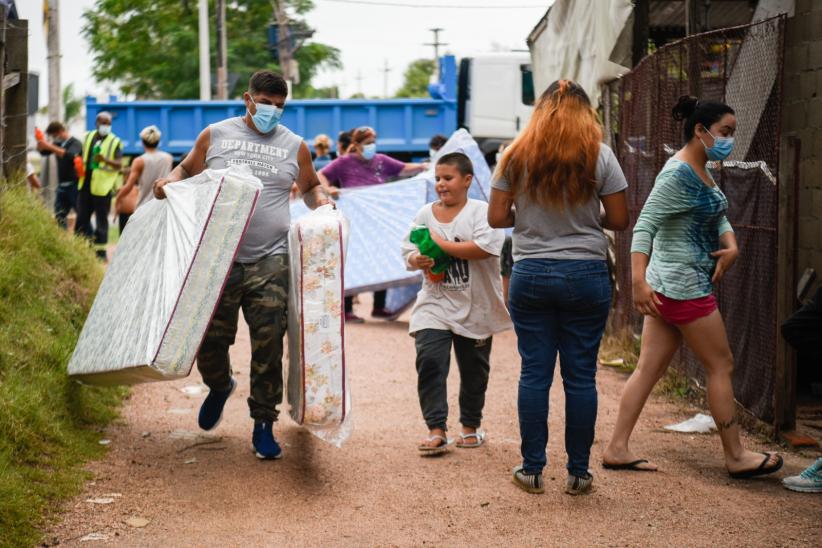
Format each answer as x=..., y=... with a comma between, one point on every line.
x=49, y=424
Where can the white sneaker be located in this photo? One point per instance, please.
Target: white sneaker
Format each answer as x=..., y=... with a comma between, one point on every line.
x=579, y=486
x=808, y=481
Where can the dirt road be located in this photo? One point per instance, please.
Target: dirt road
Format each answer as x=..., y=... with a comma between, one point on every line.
x=196, y=490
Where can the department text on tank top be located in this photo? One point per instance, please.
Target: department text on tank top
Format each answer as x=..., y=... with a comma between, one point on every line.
x=273, y=159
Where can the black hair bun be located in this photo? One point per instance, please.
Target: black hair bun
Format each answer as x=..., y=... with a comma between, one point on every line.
x=684, y=108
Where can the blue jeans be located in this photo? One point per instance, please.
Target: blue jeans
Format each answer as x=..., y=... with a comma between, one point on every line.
x=558, y=305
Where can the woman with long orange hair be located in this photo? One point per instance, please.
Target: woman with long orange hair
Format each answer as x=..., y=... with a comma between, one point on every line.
x=549, y=186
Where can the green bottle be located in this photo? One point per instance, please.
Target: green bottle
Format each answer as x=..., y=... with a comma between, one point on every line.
x=95, y=150
x=421, y=237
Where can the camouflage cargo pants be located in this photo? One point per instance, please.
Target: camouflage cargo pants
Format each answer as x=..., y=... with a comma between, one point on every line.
x=261, y=289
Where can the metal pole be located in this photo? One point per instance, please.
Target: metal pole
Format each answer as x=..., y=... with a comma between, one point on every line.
x=385, y=72
x=205, y=53
x=222, y=52
x=283, y=46
x=55, y=108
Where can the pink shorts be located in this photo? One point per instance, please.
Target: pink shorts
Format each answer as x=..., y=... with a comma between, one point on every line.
x=682, y=312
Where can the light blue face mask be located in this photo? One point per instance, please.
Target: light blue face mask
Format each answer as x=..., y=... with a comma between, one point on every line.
x=723, y=146
x=369, y=151
x=267, y=117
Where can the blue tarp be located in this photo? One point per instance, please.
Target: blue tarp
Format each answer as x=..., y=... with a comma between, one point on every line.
x=381, y=216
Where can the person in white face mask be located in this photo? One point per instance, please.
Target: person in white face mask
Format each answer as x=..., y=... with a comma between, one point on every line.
x=102, y=156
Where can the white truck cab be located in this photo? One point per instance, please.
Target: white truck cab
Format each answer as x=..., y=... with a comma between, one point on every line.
x=495, y=96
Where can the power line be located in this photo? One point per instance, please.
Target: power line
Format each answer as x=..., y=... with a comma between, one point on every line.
x=430, y=6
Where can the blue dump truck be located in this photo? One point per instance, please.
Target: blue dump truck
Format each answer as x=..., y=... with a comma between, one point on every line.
x=491, y=95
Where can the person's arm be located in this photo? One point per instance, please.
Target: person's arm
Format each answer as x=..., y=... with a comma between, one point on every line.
x=667, y=198
x=616, y=211
x=612, y=190
x=115, y=164
x=307, y=181
x=409, y=169
x=469, y=251
x=501, y=209
x=644, y=296
x=414, y=260
x=330, y=189
x=133, y=176
x=34, y=181
x=45, y=146
x=728, y=252
x=193, y=164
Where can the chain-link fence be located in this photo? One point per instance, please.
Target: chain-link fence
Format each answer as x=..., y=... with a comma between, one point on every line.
x=741, y=66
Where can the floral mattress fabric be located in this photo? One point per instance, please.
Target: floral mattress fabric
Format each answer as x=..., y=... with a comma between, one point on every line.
x=160, y=290
x=318, y=392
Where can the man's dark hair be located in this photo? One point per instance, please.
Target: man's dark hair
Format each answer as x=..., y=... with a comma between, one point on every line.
x=437, y=141
x=344, y=139
x=459, y=161
x=266, y=81
x=54, y=128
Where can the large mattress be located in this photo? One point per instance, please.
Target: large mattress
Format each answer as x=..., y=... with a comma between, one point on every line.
x=318, y=393
x=161, y=288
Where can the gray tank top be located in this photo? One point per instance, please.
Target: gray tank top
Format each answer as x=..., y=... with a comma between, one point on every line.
x=155, y=165
x=272, y=158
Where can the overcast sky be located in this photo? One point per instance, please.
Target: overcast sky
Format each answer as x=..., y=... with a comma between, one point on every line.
x=367, y=36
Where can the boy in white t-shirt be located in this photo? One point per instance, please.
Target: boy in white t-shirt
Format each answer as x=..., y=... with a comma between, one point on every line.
x=464, y=309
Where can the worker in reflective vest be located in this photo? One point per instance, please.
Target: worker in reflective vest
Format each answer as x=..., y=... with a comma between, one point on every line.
x=102, y=155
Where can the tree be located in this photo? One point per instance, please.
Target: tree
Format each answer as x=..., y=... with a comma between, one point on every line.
x=72, y=104
x=150, y=47
x=417, y=77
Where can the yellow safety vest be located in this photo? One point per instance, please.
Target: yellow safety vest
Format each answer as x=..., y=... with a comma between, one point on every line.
x=104, y=178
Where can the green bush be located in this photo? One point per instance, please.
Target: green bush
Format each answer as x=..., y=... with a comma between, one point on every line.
x=49, y=424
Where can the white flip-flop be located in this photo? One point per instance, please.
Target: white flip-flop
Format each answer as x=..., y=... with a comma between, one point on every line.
x=426, y=450
x=479, y=435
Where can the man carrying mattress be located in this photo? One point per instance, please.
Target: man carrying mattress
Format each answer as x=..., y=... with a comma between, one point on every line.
x=258, y=281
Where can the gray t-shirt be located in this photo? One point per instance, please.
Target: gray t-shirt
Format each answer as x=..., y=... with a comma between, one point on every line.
x=572, y=233
x=468, y=301
x=272, y=158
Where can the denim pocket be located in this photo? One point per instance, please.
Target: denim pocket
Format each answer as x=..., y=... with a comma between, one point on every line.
x=589, y=286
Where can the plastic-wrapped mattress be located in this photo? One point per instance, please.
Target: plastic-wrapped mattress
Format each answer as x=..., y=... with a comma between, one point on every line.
x=318, y=393
x=161, y=288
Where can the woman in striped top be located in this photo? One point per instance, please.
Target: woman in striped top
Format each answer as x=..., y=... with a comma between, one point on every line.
x=693, y=246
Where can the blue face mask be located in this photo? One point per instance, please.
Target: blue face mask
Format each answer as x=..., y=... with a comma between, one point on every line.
x=369, y=151
x=267, y=117
x=723, y=146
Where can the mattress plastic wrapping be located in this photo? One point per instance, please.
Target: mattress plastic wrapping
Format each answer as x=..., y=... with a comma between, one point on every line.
x=161, y=288
x=318, y=394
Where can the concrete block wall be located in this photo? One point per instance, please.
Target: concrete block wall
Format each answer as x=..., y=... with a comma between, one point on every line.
x=802, y=118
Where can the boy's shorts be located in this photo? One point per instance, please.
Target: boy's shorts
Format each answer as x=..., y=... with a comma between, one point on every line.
x=506, y=258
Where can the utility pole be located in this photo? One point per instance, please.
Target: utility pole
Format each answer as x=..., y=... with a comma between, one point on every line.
x=205, y=52
x=385, y=72
x=359, y=79
x=222, y=52
x=436, y=43
x=53, y=56
x=283, y=46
